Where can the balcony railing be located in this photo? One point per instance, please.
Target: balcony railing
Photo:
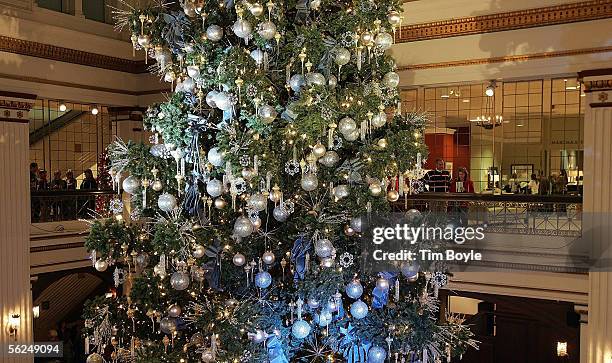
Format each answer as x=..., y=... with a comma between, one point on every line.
x=67, y=205
x=549, y=215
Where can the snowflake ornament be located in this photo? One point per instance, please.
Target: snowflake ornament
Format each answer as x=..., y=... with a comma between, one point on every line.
x=417, y=186
x=253, y=214
x=245, y=160
x=292, y=167
x=337, y=142
x=289, y=206
x=348, y=39
x=115, y=206
x=241, y=185
x=346, y=260
x=440, y=279
x=135, y=214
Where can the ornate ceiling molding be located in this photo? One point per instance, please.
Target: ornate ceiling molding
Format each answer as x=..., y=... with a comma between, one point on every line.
x=510, y=58
x=552, y=15
x=61, y=54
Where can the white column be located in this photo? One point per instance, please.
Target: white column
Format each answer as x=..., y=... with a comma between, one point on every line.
x=597, y=229
x=15, y=295
x=583, y=311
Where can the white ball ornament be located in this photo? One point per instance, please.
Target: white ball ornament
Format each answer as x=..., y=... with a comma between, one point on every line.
x=174, y=311
x=131, y=184
x=375, y=188
x=268, y=258
x=309, y=182
x=343, y=56
x=157, y=186
x=199, y=251
x=327, y=262
x=379, y=119
x=101, y=265
x=242, y=28
x=356, y=224
x=263, y=280
x=315, y=78
x=267, y=113
x=166, y=202
x=210, y=98
x=257, y=55
x=377, y=354
x=384, y=40
x=341, y=191
x=354, y=289
x=359, y=309
x=239, y=259
x=258, y=202
x=188, y=85
x=280, y=213
x=222, y=101
x=318, y=150
x=267, y=30
x=391, y=80
x=179, y=280
x=243, y=227
x=330, y=158
x=296, y=82
x=300, y=329
x=324, y=248
x=347, y=125
x=214, y=188
x=193, y=71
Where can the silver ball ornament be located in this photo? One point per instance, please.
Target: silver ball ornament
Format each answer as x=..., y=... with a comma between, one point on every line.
x=309, y=182
x=359, y=309
x=166, y=202
x=258, y=202
x=379, y=119
x=384, y=40
x=375, y=188
x=346, y=126
x=324, y=248
x=179, y=280
x=332, y=81
x=325, y=317
x=341, y=191
x=210, y=98
x=315, y=78
x=391, y=80
x=242, y=28
x=356, y=224
x=243, y=227
x=101, y=265
x=131, y=184
x=188, y=85
x=239, y=259
x=157, y=186
x=142, y=260
x=223, y=102
x=167, y=325
x=330, y=158
x=382, y=283
x=318, y=150
x=257, y=55
x=267, y=113
x=354, y=289
x=267, y=30
x=174, y=311
x=343, y=56
x=268, y=257
x=280, y=213
x=259, y=336
x=352, y=136
x=193, y=71
x=214, y=188
x=377, y=354
x=296, y=82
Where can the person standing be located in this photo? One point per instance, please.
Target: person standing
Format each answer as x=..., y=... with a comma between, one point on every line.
x=462, y=184
x=58, y=183
x=534, y=184
x=71, y=182
x=33, y=176
x=438, y=180
x=89, y=183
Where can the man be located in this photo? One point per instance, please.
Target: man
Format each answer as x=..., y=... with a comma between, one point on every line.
x=33, y=176
x=58, y=183
x=438, y=179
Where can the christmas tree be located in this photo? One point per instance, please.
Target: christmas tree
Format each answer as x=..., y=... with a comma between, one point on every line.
x=283, y=131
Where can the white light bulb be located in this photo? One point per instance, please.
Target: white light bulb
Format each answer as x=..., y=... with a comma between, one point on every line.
x=490, y=91
x=94, y=111
x=62, y=107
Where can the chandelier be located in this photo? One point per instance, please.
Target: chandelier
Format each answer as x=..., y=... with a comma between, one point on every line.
x=489, y=119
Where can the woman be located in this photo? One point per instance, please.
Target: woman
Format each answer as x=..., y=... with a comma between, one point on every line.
x=534, y=184
x=462, y=184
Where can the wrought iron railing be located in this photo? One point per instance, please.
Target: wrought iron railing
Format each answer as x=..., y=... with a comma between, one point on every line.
x=67, y=205
x=550, y=215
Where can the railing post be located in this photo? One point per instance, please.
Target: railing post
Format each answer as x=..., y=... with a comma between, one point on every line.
x=78, y=9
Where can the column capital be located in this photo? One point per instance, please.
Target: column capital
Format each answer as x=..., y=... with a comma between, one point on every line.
x=14, y=107
x=597, y=85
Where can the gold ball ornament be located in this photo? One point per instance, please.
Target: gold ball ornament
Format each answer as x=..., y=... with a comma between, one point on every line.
x=199, y=251
x=375, y=189
x=256, y=9
x=318, y=150
x=394, y=18
x=392, y=195
x=95, y=358
x=158, y=185
x=220, y=203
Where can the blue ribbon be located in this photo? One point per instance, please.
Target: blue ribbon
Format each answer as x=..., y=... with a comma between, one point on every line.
x=298, y=256
x=353, y=350
x=381, y=296
x=276, y=354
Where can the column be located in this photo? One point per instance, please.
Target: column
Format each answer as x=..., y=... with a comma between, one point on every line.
x=15, y=296
x=597, y=228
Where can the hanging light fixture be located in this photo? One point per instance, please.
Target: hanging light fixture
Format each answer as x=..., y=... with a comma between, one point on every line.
x=94, y=110
x=489, y=119
x=62, y=107
x=490, y=90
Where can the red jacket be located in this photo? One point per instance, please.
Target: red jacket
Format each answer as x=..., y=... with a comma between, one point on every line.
x=468, y=186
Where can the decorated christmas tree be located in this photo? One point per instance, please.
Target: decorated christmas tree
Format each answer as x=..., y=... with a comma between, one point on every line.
x=283, y=132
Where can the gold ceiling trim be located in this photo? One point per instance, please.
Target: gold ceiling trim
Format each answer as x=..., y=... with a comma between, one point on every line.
x=81, y=86
x=67, y=55
x=509, y=58
x=530, y=18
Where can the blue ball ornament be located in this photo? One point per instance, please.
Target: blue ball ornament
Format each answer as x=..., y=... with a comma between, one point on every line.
x=263, y=279
x=359, y=309
x=300, y=329
x=354, y=290
x=377, y=354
